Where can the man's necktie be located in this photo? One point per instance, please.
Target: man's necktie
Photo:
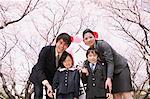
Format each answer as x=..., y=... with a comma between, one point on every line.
x=57, y=60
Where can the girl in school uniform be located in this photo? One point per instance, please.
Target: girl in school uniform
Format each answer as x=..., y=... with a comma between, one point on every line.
x=66, y=80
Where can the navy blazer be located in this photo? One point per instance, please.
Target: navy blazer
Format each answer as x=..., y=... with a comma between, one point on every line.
x=115, y=62
x=45, y=67
x=67, y=81
x=95, y=80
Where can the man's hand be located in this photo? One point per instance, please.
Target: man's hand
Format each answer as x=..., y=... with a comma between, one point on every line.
x=54, y=95
x=50, y=94
x=108, y=84
x=49, y=90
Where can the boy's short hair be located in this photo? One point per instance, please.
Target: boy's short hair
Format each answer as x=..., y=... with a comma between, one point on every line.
x=92, y=50
x=99, y=54
x=66, y=38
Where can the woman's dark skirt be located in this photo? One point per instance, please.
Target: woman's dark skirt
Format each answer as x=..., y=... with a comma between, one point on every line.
x=122, y=81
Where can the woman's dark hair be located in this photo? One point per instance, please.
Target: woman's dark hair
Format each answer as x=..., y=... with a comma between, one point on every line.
x=87, y=31
x=66, y=38
x=63, y=57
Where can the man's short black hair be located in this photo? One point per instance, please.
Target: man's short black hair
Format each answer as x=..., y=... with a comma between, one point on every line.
x=66, y=38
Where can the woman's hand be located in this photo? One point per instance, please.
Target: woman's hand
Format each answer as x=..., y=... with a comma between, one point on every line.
x=108, y=84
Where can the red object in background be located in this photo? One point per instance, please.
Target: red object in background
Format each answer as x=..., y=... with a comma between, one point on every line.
x=75, y=39
x=72, y=39
x=95, y=34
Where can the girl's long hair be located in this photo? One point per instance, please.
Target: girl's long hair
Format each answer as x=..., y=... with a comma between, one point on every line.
x=63, y=57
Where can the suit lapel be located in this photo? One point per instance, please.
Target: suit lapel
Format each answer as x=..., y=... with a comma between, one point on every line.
x=95, y=68
x=52, y=57
x=89, y=68
x=98, y=66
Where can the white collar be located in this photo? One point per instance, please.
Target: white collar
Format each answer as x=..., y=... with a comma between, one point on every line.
x=92, y=63
x=63, y=69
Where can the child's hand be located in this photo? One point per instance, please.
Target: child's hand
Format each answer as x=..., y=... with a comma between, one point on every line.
x=75, y=98
x=79, y=67
x=84, y=70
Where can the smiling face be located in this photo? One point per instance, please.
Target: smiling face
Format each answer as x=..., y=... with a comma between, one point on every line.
x=89, y=39
x=68, y=62
x=61, y=46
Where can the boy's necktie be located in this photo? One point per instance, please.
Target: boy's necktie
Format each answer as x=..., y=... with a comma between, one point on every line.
x=92, y=67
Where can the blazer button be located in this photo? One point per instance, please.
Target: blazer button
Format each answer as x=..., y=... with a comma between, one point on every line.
x=65, y=80
x=65, y=77
x=93, y=78
x=65, y=84
x=102, y=63
x=93, y=84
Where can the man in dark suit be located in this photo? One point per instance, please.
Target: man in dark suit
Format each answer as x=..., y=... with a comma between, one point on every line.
x=46, y=66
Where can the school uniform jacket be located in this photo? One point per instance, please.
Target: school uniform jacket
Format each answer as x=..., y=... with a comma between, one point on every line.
x=67, y=81
x=45, y=67
x=115, y=62
x=95, y=80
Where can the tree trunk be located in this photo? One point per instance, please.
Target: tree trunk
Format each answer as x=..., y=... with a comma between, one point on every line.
x=5, y=87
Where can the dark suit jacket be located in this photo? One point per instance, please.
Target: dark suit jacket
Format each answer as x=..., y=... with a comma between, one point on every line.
x=95, y=80
x=45, y=67
x=115, y=62
x=66, y=82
